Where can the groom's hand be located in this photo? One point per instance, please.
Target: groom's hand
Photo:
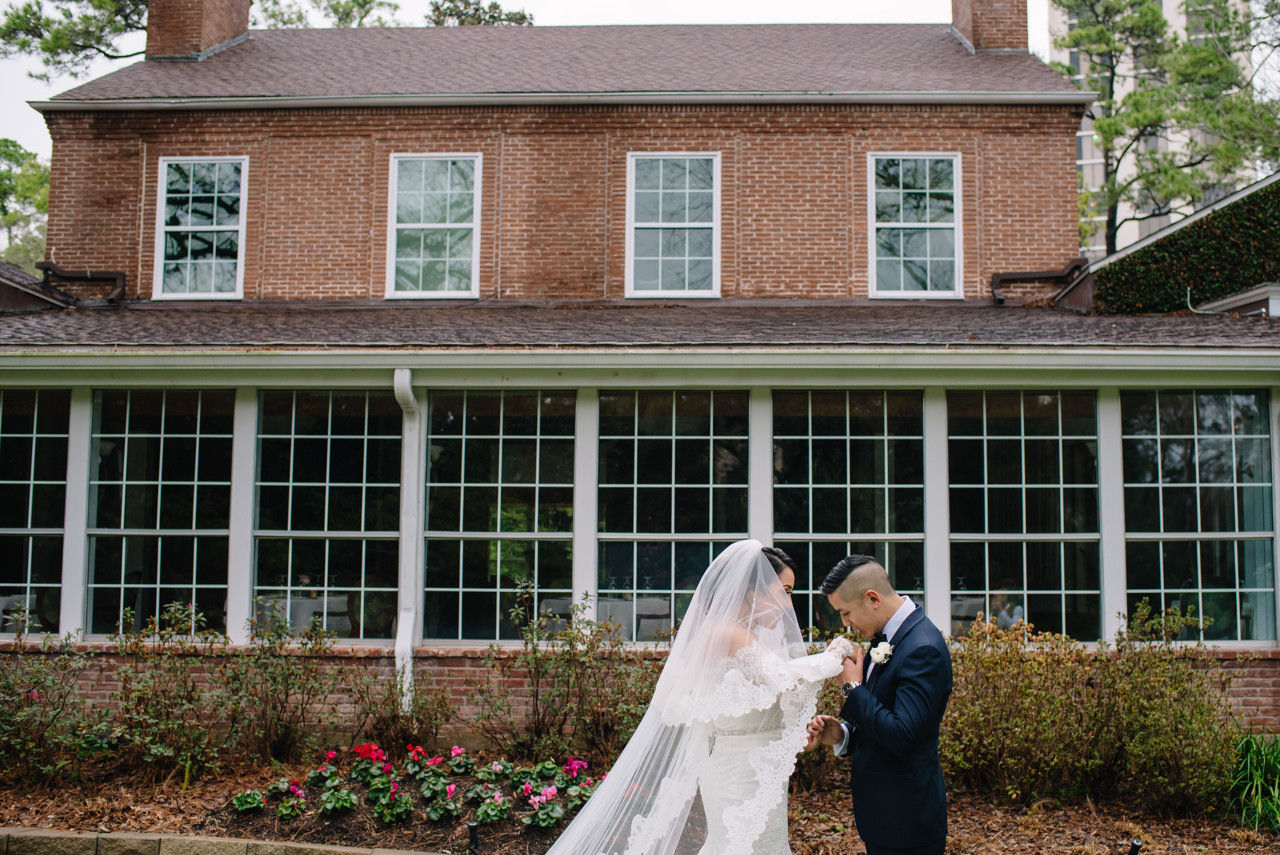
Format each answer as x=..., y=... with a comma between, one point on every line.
x=824, y=730
x=852, y=665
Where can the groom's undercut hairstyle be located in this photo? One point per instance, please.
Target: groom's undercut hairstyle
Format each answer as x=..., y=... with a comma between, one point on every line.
x=862, y=572
x=780, y=560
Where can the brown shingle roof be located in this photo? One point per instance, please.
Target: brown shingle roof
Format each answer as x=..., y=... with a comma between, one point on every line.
x=837, y=61
x=814, y=323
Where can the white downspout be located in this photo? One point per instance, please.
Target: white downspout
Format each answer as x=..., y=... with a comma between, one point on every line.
x=410, y=593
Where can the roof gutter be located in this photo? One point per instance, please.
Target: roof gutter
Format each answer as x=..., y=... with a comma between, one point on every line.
x=271, y=102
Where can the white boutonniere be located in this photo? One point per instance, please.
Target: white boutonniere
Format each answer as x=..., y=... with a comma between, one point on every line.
x=881, y=652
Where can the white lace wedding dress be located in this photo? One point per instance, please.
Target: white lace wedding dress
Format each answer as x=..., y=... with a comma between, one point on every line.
x=727, y=719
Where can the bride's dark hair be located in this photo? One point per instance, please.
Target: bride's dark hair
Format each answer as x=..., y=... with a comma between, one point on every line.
x=780, y=560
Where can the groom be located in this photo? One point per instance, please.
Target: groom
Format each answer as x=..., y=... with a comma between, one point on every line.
x=893, y=705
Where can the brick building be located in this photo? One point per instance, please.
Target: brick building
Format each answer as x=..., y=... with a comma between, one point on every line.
x=399, y=320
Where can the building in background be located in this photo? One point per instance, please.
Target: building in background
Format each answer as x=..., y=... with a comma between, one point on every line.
x=1088, y=154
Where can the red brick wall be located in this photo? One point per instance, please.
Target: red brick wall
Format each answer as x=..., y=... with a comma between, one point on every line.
x=179, y=28
x=1253, y=681
x=991, y=24
x=793, y=201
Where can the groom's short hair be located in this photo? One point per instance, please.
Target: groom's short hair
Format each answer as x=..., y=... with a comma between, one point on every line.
x=846, y=567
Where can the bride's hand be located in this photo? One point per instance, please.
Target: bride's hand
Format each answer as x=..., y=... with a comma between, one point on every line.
x=840, y=645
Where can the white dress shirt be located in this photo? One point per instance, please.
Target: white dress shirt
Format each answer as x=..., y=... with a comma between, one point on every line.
x=890, y=630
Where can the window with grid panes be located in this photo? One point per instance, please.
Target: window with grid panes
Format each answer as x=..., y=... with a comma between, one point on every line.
x=1023, y=475
x=326, y=542
x=916, y=231
x=672, y=494
x=434, y=234
x=201, y=253
x=848, y=478
x=673, y=242
x=159, y=505
x=33, y=486
x=1199, y=531
x=499, y=511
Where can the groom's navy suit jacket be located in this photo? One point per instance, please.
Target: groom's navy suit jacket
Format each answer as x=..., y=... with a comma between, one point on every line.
x=899, y=799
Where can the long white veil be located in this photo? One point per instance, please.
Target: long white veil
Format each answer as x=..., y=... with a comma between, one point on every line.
x=739, y=650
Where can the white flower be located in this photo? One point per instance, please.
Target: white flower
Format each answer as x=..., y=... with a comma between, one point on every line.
x=881, y=652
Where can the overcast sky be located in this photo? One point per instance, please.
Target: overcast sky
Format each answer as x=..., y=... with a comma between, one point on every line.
x=25, y=125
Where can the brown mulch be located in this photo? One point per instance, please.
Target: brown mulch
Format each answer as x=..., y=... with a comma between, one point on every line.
x=821, y=822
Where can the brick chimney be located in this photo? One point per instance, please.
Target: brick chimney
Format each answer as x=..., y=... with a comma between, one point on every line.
x=991, y=25
x=191, y=29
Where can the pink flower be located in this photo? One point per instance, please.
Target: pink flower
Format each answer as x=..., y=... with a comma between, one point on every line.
x=536, y=801
x=456, y=751
x=497, y=767
x=386, y=768
x=435, y=761
x=549, y=793
x=395, y=788
x=331, y=756
x=497, y=798
x=528, y=788
x=33, y=695
x=448, y=791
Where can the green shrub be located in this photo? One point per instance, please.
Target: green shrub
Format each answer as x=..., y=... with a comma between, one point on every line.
x=280, y=689
x=166, y=714
x=581, y=682
x=1255, y=786
x=1037, y=715
x=46, y=724
x=387, y=717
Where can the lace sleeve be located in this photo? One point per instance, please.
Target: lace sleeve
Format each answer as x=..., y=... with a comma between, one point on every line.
x=824, y=665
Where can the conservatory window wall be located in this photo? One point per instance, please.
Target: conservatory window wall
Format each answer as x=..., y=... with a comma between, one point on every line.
x=975, y=501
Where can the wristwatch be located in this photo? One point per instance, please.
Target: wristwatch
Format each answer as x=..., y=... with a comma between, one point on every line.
x=847, y=688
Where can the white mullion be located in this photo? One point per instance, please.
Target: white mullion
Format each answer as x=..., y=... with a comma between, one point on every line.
x=75, y=539
x=760, y=465
x=1111, y=548
x=937, y=522
x=240, y=564
x=586, y=464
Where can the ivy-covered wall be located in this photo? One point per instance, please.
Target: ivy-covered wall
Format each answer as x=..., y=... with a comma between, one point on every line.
x=1232, y=249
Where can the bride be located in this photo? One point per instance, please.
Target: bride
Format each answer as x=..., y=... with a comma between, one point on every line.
x=727, y=718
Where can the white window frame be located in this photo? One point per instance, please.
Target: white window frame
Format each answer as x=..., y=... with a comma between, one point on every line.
x=474, y=293
x=957, y=224
x=631, y=291
x=157, y=280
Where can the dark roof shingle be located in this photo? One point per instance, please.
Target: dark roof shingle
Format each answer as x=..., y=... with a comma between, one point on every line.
x=812, y=323
x=814, y=60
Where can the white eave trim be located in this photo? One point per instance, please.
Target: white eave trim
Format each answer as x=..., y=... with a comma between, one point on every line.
x=272, y=102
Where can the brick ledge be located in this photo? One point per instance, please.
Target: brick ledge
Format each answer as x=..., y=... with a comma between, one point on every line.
x=43, y=841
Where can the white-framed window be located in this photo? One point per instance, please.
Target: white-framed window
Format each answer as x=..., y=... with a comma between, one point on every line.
x=433, y=227
x=326, y=544
x=33, y=490
x=159, y=505
x=200, y=228
x=1199, y=527
x=914, y=203
x=673, y=224
x=499, y=511
x=1024, y=506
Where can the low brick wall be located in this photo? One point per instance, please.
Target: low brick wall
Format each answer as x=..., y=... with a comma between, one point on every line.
x=1252, y=677
x=40, y=841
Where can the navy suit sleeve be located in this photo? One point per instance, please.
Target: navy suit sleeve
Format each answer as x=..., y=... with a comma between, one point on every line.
x=922, y=686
